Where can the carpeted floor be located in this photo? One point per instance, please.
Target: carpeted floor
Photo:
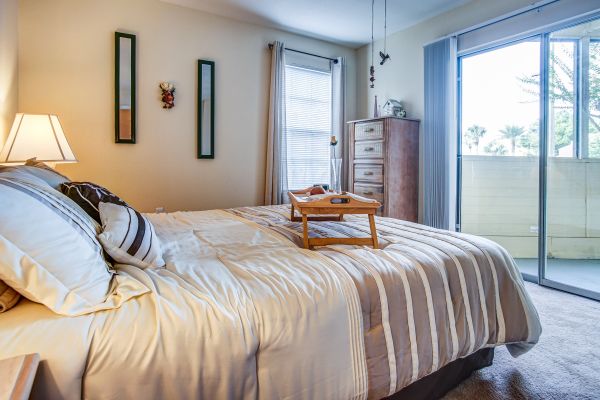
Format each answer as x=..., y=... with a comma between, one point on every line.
x=565, y=364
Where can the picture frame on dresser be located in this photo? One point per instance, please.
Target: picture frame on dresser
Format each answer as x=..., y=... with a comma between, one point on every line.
x=384, y=164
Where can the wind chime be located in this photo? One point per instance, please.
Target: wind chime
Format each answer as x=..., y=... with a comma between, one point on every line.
x=383, y=54
x=372, y=69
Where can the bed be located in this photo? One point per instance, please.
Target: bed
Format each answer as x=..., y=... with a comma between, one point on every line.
x=243, y=311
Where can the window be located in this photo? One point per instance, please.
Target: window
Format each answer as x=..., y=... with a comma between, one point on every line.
x=308, y=125
x=500, y=101
x=562, y=113
x=593, y=117
x=500, y=115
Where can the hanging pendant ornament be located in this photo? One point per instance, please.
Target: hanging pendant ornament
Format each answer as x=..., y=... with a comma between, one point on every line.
x=372, y=69
x=383, y=54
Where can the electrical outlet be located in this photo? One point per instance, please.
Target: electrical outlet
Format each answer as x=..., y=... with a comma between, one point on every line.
x=160, y=210
x=533, y=229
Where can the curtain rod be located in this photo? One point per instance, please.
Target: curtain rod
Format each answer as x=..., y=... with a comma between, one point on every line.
x=335, y=61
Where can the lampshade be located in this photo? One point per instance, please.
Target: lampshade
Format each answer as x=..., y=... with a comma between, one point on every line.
x=36, y=136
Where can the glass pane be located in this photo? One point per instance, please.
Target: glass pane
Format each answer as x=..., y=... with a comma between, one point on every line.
x=500, y=130
x=573, y=211
x=562, y=73
x=125, y=86
x=593, y=116
x=206, y=111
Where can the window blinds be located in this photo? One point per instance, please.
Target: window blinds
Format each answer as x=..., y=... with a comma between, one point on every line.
x=308, y=125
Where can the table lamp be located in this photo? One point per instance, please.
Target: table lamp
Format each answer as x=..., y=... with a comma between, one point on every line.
x=38, y=136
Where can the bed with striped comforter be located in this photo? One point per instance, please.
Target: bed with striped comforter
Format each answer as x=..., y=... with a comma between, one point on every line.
x=427, y=297
x=242, y=311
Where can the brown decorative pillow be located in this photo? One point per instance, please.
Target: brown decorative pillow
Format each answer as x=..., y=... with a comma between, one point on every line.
x=8, y=297
x=88, y=195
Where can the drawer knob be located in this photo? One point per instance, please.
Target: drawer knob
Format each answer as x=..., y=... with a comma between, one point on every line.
x=368, y=173
x=370, y=130
x=368, y=193
x=369, y=148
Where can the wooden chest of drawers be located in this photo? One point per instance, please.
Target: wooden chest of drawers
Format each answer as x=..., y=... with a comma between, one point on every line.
x=384, y=164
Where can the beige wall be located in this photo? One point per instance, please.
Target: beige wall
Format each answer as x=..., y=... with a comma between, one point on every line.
x=8, y=65
x=402, y=77
x=66, y=67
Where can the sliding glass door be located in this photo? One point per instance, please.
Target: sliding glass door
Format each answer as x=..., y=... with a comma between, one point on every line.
x=529, y=154
x=573, y=166
x=499, y=152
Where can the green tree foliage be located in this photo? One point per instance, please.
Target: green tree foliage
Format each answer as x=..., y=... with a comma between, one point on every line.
x=530, y=140
x=595, y=145
x=512, y=133
x=562, y=96
x=564, y=129
x=495, y=148
x=472, y=136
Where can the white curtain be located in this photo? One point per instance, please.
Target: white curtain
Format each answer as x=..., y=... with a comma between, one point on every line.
x=276, y=172
x=439, y=131
x=338, y=115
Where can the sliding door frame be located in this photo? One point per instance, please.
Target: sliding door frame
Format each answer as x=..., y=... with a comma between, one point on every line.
x=544, y=38
x=496, y=46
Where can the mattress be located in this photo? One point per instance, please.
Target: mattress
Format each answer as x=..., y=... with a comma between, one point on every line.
x=242, y=311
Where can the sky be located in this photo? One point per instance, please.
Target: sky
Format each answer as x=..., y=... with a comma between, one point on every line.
x=492, y=95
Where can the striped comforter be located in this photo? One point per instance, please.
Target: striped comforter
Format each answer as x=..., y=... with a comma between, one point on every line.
x=241, y=311
x=427, y=297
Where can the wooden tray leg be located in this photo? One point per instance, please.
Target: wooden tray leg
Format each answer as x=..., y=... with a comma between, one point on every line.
x=305, y=229
x=373, y=231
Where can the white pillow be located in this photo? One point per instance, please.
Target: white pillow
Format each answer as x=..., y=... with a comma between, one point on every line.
x=128, y=237
x=49, y=252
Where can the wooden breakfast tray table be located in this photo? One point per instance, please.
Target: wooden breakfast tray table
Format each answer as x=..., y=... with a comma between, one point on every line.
x=332, y=207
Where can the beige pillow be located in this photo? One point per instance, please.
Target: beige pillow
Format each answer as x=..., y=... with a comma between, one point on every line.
x=8, y=297
x=49, y=252
x=48, y=174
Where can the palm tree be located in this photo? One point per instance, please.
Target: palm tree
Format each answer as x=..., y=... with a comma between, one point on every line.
x=512, y=132
x=472, y=136
x=495, y=148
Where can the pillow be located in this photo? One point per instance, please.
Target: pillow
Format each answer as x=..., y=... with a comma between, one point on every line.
x=128, y=237
x=23, y=172
x=8, y=297
x=48, y=174
x=88, y=195
x=49, y=252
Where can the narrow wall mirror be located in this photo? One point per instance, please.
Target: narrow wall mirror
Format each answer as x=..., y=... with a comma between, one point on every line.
x=125, y=83
x=206, y=109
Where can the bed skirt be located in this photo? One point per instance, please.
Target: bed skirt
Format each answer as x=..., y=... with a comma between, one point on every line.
x=436, y=385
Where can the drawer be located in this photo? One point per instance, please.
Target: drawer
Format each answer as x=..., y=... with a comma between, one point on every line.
x=368, y=130
x=368, y=149
x=368, y=173
x=370, y=191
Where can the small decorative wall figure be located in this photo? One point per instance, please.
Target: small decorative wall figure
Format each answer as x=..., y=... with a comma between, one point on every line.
x=168, y=94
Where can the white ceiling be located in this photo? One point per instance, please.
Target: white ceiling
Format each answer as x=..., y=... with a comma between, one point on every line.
x=347, y=22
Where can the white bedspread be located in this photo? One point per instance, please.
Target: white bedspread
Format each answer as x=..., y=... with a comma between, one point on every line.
x=235, y=303
x=241, y=311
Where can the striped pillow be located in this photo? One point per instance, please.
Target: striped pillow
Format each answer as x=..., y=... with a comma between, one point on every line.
x=48, y=247
x=8, y=297
x=129, y=237
x=88, y=195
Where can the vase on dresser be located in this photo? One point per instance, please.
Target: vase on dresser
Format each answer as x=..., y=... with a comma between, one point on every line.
x=384, y=164
x=336, y=175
